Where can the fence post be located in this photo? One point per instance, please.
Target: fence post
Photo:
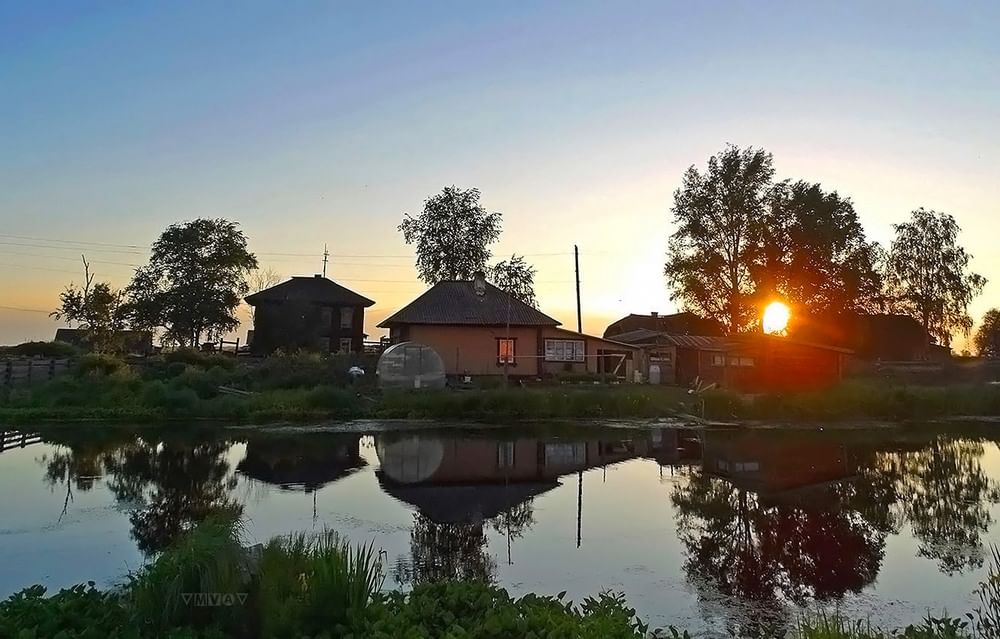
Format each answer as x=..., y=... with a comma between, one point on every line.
x=52, y=369
x=31, y=364
x=8, y=373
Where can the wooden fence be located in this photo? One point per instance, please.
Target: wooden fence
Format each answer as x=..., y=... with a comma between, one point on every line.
x=14, y=372
x=11, y=439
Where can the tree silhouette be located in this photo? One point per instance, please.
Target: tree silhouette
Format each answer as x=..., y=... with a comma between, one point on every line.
x=718, y=214
x=452, y=234
x=928, y=274
x=516, y=277
x=445, y=551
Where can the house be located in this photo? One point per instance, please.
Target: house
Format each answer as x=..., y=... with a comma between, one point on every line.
x=676, y=324
x=302, y=465
x=478, y=329
x=751, y=363
x=308, y=313
x=876, y=337
x=131, y=342
x=665, y=358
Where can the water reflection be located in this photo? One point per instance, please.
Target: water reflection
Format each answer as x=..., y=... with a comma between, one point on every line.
x=765, y=520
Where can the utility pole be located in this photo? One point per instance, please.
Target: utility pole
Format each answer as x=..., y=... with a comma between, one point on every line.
x=579, y=314
x=326, y=258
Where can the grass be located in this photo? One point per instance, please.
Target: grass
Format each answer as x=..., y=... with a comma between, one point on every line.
x=186, y=386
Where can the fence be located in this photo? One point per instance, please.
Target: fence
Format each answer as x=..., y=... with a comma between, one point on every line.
x=29, y=370
x=11, y=439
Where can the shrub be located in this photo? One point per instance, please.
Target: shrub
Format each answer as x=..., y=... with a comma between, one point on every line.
x=80, y=612
x=58, y=350
x=98, y=364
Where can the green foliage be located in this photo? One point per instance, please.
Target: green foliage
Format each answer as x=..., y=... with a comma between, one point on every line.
x=57, y=350
x=192, y=357
x=836, y=627
x=452, y=235
x=95, y=364
x=472, y=609
x=311, y=585
x=80, y=612
x=97, y=308
x=928, y=274
x=987, y=615
x=194, y=282
x=210, y=559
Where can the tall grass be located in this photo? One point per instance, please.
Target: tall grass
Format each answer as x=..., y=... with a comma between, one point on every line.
x=208, y=560
x=313, y=584
x=988, y=614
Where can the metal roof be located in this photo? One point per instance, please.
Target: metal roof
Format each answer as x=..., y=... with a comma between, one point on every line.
x=456, y=302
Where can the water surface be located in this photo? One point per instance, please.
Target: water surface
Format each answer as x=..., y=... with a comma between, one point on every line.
x=716, y=531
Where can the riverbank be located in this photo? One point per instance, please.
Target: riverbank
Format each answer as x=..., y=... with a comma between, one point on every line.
x=284, y=390
x=209, y=585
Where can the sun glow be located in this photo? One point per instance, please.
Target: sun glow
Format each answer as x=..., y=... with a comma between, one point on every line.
x=776, y=317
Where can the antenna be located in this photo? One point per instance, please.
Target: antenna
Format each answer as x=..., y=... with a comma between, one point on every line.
x=326, y=258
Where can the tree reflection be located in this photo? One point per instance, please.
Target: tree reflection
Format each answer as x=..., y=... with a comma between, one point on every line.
x=946, y=496
x=441, y=551
x=762, y=555
x=167, y=486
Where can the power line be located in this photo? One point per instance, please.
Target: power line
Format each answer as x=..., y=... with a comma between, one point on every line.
x=69, y=259
x=24, y=310
x=83, y=242
x=72, y=248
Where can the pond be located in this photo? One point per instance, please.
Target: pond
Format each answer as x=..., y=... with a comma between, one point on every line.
x=716, y=531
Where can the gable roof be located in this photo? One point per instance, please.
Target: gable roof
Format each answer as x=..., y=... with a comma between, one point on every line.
x=456, y=302
x=646, y=337
x=309, y=289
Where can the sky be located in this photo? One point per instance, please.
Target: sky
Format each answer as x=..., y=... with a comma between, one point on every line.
x=315, y=123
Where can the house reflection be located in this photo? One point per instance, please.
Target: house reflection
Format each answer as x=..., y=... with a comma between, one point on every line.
x=305, y=464
x=462, y=486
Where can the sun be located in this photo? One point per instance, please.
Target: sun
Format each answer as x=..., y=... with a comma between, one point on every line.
x=776, y=317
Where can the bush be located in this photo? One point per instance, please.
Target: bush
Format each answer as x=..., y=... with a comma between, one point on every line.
x=58, y=350
x=472, y=609
x=97, y=364
x=80, y=612
x=198, y=359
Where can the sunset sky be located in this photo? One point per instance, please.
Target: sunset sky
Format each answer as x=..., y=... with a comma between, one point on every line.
x=323, y=122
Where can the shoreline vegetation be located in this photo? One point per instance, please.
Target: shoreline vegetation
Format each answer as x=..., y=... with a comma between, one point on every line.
x=187, y=386
x=210, y=585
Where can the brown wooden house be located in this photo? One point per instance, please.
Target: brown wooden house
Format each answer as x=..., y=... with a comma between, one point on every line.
x=685, y=323
x=308, y=313
x=478, y=329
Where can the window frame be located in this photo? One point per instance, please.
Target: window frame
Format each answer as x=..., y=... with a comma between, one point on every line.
x=346, y=312
x=563, y=342
x=350, y=345
x=512, y=358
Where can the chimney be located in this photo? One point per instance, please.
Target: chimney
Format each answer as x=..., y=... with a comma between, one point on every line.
x=654, y=314
x=479, y=283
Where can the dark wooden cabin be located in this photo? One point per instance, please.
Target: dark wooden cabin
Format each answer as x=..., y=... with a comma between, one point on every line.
x=308, y=313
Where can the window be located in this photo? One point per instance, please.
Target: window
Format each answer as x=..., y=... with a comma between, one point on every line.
x=505, y=455
x=346, y=343
x=746, y=362
x=346, y=317
x=718, y=360
x=564, y=350
x=506, y=350
x=326, y=316
x=734, y=361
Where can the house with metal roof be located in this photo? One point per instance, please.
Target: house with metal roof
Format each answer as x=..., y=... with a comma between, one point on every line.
x=308, y=313
x=477, y=329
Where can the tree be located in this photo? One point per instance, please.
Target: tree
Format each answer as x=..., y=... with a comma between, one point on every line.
x=452, y=235
x=814, y=252
x=988, y=335
x=928, y=274
x=718, y=215
x=193, y=284
x=516, y=277
x=97, y=308
x=258, y=280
